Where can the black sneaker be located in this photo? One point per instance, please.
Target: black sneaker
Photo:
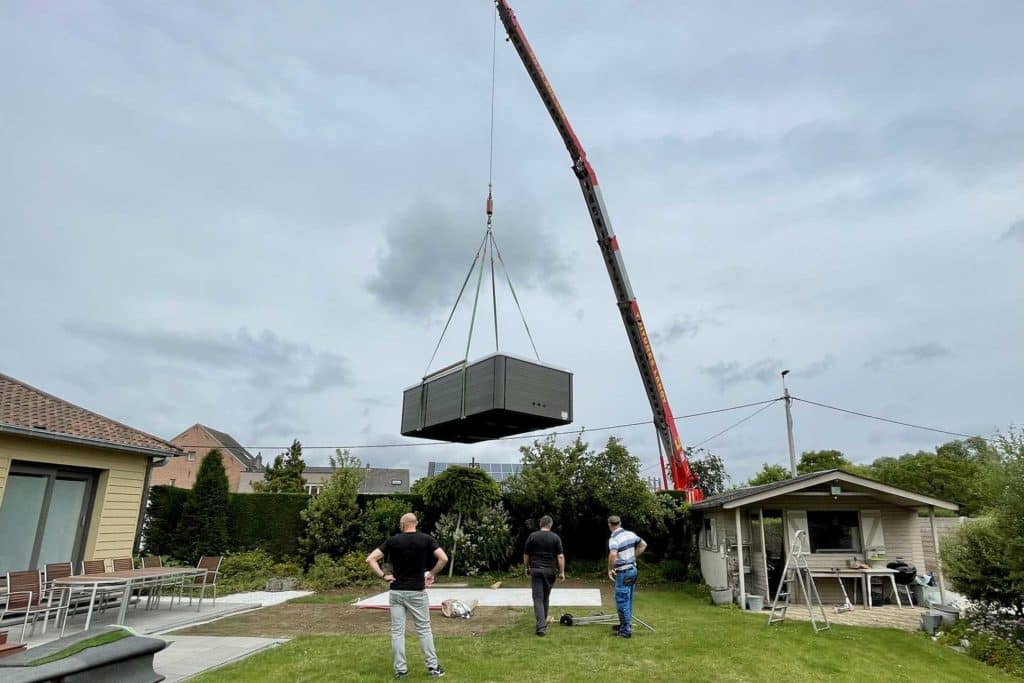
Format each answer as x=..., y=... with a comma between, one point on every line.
x=542, y=633
x=615, y=629
x=401, y=675
x=436, y=672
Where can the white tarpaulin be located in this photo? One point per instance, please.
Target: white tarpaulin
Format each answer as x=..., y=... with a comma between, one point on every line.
x=500, y=597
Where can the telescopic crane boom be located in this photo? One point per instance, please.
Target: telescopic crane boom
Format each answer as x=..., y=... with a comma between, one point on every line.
x=683, y=478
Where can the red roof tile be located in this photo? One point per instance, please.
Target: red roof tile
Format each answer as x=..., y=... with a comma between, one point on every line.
x=26, y=407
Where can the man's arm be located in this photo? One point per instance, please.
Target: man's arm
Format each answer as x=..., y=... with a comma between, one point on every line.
x=612, y=556
x=641, y=547
x=526, y=564
x=442, y=560
x=374, y=561
x=561, y=566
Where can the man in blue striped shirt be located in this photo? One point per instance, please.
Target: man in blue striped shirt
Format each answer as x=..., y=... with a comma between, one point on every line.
x=623, y=549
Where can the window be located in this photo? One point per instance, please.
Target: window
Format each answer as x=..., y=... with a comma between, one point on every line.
x=396, y=482
x=314, y=489
x=708, y=535
x=191, y=456
x=833, y=531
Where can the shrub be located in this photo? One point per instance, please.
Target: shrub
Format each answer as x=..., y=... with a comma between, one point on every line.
x=379, y=522
x=977, y=562
x=331, y=518
x=163, y=514
x=326, y=574
x=484, y=543
x=203, y=528
x=994, y=637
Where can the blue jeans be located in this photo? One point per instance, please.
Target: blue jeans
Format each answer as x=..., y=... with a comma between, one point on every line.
x=417, y=603
x=625, y=581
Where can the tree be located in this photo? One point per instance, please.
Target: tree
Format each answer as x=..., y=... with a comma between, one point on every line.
x=818, y=461
x=332, y=517
x=420, y=486
x=203, y=528
x=579, y=488
x=769, y=474
x=711, y=475
x=958, y=471
x=464, y=491
x=285, y=475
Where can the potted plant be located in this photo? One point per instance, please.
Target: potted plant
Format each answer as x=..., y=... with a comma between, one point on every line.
x=875, y=556
x=721, y=596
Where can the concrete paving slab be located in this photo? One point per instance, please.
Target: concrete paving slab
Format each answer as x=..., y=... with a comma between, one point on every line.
x=188, y=656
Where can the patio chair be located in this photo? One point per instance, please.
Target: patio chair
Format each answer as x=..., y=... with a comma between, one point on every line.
x=201, y=583
x=150, y=561
x=93, y=567
x=103, y=595
x=62, y=570
x=26, y=596
x=123, y=564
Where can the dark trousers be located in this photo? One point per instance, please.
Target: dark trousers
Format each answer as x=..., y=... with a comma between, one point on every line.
x=541, y=582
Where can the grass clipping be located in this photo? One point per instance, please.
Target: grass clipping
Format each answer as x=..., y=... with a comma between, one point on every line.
x=71, y=650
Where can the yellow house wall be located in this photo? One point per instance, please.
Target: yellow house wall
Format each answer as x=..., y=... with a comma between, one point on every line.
x=119, y=488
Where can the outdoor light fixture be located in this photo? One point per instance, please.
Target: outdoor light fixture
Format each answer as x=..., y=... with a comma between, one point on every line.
x=835, y=490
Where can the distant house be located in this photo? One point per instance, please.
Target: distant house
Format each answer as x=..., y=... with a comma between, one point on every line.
x=746, y=534
x=71, y=482
x=378, y=480
x=197, y=441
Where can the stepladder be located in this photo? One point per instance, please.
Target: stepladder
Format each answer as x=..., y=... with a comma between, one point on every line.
x=797, y=579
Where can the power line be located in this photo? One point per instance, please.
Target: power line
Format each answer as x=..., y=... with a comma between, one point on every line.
x=886, y=419
x=736, y=424
x=506, y=438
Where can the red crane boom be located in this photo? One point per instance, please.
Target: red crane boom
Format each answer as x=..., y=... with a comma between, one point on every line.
x=683, y=478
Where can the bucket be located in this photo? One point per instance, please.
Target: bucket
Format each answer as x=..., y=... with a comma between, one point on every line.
x=755, y=603
x=721, y=596
x=930, y=623
x=948, y=614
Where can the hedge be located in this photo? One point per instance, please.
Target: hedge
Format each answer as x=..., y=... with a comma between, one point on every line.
x=269, y=521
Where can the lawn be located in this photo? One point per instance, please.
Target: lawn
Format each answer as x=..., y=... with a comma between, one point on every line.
x=694, y=641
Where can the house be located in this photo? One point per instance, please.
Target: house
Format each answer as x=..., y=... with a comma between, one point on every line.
x=72, y=482
x=197, y=441
x=378, y=480
x=849, y=520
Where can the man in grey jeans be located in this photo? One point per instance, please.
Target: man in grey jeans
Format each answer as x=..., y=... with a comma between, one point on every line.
x=411, y=555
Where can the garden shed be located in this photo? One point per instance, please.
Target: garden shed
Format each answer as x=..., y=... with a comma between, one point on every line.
x=851, y=522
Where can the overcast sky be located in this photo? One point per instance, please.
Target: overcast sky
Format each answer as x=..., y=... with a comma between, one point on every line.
x=256, y=216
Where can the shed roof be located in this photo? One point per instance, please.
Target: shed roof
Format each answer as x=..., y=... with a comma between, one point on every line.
x=31, y=412
x=754, y=494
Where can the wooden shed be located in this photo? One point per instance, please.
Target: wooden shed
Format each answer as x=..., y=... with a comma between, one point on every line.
x=851, y=521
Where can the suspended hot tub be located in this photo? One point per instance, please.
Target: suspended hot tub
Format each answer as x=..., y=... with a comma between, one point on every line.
x=498, y=395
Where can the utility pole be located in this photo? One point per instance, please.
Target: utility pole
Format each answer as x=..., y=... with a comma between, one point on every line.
x=789, y=424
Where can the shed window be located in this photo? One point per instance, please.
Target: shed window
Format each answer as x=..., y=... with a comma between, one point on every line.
x=709, y=539
x=833, y=531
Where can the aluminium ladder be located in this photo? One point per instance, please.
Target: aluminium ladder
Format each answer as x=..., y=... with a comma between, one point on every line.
x=798, y=575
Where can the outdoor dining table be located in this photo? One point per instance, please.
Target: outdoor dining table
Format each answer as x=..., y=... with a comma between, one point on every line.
x=130, y=580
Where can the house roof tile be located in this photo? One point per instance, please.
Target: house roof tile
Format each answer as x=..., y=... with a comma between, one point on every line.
x=45, y=416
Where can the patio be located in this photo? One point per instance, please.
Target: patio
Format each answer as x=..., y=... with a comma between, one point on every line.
x=886, y=616
x=185, y=656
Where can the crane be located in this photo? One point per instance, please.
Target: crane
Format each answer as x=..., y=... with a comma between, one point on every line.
x=683, y=478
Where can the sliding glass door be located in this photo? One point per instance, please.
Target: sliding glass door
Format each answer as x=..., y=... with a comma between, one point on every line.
x=44, y=515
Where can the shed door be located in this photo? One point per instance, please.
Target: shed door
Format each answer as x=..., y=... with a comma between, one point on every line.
x=796, y=520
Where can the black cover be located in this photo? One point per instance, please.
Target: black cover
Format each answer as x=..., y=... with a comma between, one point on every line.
x=905, y=572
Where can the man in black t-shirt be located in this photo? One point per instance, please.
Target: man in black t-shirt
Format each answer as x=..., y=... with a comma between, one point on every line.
x=415, y=559
x=542, y=553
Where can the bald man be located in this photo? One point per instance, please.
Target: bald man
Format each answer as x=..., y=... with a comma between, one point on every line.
x=411, y=555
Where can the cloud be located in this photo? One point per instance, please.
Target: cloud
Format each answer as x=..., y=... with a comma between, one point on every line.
x=1016, y=232
x=266, y=361
x=906, y=355
x=428, y=248
x=727, y=374
x=686, y=328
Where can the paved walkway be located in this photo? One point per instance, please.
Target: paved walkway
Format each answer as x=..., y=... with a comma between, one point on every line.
x=887, y=616
x=188, y=656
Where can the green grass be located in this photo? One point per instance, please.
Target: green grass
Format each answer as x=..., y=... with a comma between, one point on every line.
x=325, y=599
x=71, y=650
x=695, y=641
